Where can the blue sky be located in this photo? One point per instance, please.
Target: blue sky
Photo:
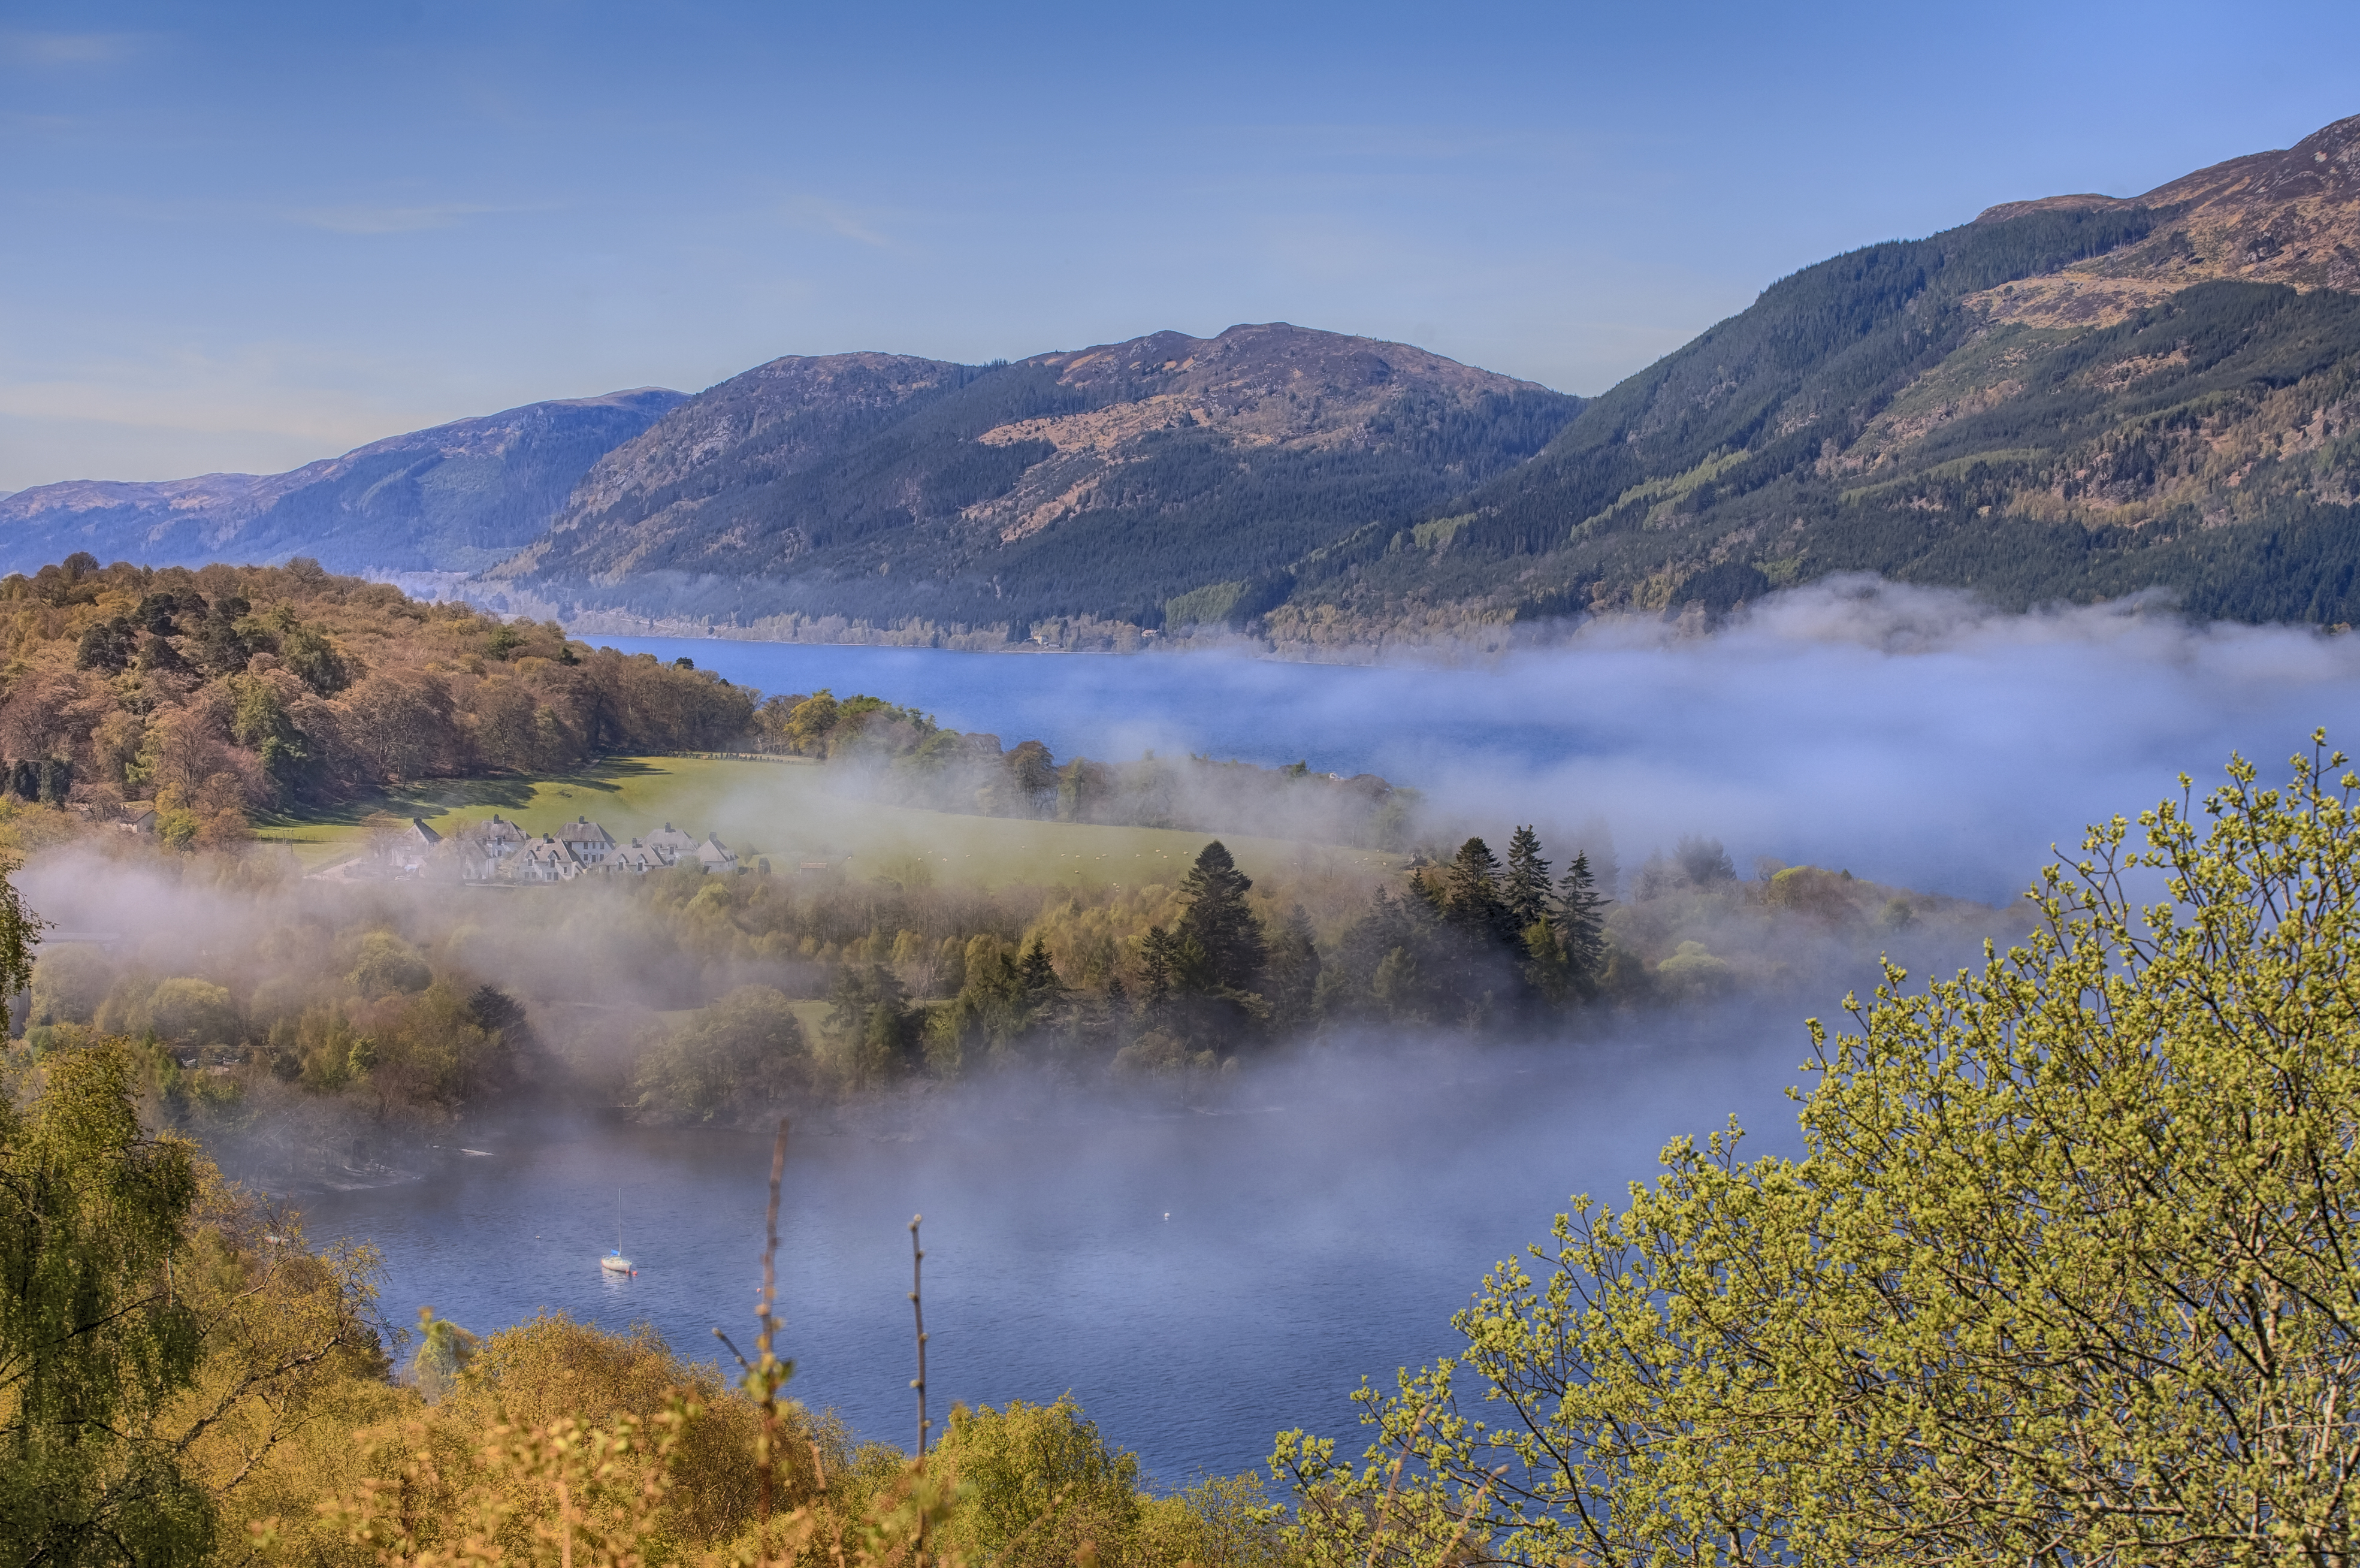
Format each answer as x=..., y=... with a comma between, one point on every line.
x=242, y=236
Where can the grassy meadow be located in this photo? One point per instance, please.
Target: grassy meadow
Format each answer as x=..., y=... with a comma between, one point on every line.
x=791, y=811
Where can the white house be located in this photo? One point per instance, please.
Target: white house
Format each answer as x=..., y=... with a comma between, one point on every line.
x=672, y=843
x=500, y=837
x=634, y=859
x=407, y=850
x=591, y=844
x=544, y=860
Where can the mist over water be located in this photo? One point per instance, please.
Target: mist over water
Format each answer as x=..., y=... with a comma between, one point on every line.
x=1323, y=1224
x=1905, y=734
x=1329, y=1211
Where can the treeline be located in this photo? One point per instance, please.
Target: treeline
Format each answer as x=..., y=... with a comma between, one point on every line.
x=226, y=690
x=262, y=1004
x=906, y=758
x=1203, y=974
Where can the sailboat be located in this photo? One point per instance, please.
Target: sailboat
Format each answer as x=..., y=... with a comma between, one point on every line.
x=615, y=1262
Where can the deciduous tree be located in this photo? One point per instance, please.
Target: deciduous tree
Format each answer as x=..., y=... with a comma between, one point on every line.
x=2063, y=1275
x=95, y=1339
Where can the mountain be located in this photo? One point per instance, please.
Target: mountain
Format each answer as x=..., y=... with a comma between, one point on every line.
x=453, y=499
x=1165, y=475
x=2072, y=397
x=2067, y=399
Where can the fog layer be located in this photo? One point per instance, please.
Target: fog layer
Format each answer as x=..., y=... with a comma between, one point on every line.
x=1907, y=734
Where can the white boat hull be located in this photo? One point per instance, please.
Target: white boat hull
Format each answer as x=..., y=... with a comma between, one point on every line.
x=615, y=1265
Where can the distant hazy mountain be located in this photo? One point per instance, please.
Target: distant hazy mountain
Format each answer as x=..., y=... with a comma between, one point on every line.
x=1108, y=481
x=453, y=499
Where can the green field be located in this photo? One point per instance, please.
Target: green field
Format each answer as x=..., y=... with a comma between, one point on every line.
x=789, y=813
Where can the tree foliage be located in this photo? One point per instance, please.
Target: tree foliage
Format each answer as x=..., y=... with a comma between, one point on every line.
x=1218, y=928
x=94, y=1339
x=2063, y=1276
x=745, y=1051
x=236, y=688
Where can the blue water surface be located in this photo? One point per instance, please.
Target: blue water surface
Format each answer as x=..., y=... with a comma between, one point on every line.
x=1198, y=1277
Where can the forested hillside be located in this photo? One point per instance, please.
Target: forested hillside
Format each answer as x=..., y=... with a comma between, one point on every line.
x=2073, y=399
x=229, y=689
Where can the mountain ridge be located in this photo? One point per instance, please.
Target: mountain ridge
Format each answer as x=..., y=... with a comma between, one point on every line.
x=2066, y=398
x=457, y=496
x=1101, y=481
x=2287, y=216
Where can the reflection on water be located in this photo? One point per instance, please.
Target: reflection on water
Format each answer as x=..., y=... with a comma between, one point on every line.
x=1200, y=1279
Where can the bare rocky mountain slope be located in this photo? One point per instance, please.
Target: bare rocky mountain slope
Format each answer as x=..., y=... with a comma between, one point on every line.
x=453, y=499
x=2272, y=217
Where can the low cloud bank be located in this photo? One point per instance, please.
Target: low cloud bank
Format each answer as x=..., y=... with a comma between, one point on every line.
x=1909, y=734
x=1915, y=735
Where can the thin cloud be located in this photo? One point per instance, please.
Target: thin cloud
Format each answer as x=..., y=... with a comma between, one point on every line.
x=70, y=49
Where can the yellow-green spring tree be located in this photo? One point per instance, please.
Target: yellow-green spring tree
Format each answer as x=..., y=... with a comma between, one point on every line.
x=2068, y=1272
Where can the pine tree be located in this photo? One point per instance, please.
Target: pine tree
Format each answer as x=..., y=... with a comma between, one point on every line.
x=1582, y=921
x=1156, y=958
x=1471, y=893
x=871, y=1021
x=1293, y=976
x=1546, y=969
x=1525, y=889
x=1220, y=925
x=1037, y=977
